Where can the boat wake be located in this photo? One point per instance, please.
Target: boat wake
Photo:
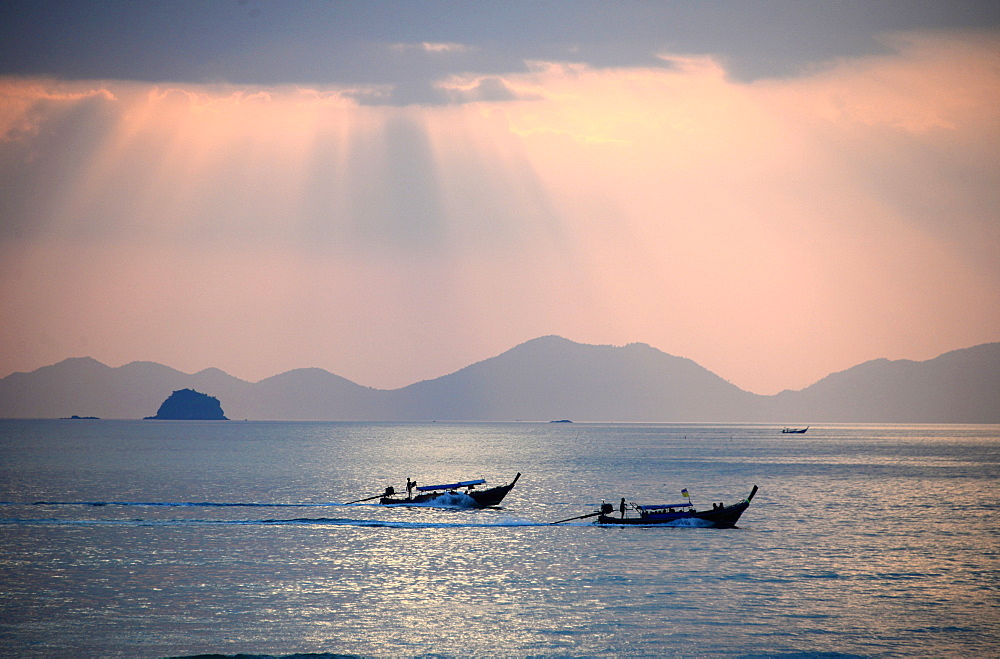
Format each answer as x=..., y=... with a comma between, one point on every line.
x=18, y=514
x=62, y=513
x=445, y=500
x=298, y=521
x=168, y=504
x=688, y=522
x=458, y=500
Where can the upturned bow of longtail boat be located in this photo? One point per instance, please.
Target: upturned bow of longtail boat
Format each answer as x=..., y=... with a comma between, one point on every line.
x=718, y=516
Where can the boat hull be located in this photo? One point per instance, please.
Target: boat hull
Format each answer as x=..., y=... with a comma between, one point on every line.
x=472, y=499
x=719, y=518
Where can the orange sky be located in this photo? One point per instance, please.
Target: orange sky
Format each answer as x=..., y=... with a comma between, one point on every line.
x=773, y=231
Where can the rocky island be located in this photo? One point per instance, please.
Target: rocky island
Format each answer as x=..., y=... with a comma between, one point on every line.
x=190, y=405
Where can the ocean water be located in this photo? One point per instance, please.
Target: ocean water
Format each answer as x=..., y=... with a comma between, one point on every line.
x=155, y=539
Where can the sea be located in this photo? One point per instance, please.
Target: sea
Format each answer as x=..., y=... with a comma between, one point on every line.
x=179, y=539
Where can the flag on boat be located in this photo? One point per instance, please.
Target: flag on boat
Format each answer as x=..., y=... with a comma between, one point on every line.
x=684, y=493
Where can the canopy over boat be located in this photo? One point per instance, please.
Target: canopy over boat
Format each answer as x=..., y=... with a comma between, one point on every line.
x=450, y=486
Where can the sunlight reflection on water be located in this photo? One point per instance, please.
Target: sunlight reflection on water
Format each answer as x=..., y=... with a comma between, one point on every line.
x=862, y=540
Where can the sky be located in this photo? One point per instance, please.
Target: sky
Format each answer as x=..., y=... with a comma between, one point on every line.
x=392, y=191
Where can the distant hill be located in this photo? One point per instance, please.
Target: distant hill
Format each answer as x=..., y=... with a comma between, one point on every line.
x=554, y=378
x=962, y=386
x=84, y=386
x=541, y=380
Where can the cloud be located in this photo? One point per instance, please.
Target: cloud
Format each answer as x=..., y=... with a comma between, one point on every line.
x=26, y=103
x=428, y=47
x=495, y=89
x=403, y=49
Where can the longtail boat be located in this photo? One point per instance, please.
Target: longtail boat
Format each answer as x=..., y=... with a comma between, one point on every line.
x=720, y=516
x=461, y=494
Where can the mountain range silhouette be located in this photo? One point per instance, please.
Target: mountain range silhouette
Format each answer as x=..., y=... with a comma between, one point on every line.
x=543, y=379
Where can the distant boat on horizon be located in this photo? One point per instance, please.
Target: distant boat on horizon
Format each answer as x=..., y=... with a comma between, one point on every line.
x=795, y=431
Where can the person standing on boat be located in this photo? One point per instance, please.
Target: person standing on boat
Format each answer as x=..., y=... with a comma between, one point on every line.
x=621, y=507
x=409, y=487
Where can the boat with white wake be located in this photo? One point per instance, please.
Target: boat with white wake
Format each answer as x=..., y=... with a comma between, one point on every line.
x=720, y=516
x=461, y=494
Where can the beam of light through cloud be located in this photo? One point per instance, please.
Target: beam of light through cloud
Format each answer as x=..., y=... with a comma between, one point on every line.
x=772, y=231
